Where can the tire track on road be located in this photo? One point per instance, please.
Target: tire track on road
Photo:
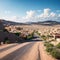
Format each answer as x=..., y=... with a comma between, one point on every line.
x=19, y=51
x=39, y=58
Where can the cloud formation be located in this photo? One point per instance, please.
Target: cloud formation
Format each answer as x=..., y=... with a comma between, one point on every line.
x=45, y=13
x=33, y=16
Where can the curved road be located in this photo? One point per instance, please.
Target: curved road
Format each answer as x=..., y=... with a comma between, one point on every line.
x=32, y=50
x=24, y=51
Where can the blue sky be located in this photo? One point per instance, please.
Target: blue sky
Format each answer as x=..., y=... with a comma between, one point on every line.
x=29, y=10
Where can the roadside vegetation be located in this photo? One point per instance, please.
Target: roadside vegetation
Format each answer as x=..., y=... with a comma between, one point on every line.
x=58, y=45
x=17, y=36
x=17, y=33
x=30, y=36
x=6, y=40
x=49, y=47
x=43, y=37
x=53, y=50
x=38, y=33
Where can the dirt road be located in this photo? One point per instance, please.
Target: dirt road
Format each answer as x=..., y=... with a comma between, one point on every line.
x=24, y=51
x=32, y=50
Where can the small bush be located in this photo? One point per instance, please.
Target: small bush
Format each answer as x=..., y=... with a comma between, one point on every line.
x=58, y=45
x=43, y=37
x=17, y=33
x=47, y=44
x=49, y=49
x=53, y=50
x=6, y=40
x=55, y=53
x=30, y=36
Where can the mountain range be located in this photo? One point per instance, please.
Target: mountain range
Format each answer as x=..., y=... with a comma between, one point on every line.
x=48, y=22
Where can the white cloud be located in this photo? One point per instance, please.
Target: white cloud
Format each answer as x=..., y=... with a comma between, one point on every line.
x=48, y=15
x=33, y=16
x=45, y=13
x=30, y=14
x=52, y=14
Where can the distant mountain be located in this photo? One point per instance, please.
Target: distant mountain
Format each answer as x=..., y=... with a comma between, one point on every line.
x=10, y=22
x=48, y=22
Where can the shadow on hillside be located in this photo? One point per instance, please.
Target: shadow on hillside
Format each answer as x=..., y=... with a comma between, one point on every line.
x=8, y=37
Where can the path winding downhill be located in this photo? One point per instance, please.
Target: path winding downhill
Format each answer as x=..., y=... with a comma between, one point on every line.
x=32, y=50
x=25, y=51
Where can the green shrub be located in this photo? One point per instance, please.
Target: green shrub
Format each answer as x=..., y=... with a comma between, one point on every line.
x=53, y=50
x=47, y=44
x=55, y=53
x=43, y=37
x=58, y=45
x=49, y=49
x=17, y=33
x=6, y=40
x=38, y=33
x=30, y=36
